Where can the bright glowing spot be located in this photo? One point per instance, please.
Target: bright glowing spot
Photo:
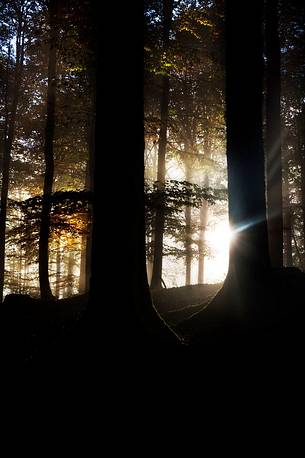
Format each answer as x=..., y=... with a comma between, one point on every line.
x=220, y=236
x=218, y=239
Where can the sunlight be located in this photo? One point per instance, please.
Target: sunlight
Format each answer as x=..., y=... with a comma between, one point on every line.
x=218, y=238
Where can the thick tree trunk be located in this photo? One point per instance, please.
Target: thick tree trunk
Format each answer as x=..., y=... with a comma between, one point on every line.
x=9, y=133
x=132, y=325
x=44, y=283
x=156, y=281
x=249, y=255
x=273, y=136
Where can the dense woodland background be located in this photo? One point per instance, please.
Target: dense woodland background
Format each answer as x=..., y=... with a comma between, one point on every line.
x=185, y=136
x=47, y=117
x=216, y=91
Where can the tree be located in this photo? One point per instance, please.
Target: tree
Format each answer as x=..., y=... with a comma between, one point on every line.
x=241, y=302
x=273, y=136
x=45, y=289
x=135, y=320
x=249, y=256
x=10, y=122
x=156, y=281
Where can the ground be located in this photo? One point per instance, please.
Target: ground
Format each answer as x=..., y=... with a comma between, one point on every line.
x=29, y=326
x=270, y=319
x=178, y=304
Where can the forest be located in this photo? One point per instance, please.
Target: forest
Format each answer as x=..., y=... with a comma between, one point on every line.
x=224, y=168
x=163, y=210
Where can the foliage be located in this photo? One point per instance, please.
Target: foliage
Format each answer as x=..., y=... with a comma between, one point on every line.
x=175, y=196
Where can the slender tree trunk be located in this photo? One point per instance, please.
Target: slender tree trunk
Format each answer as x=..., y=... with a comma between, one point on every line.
x=149, y=259
x=287, y=217
x=20, y=269
x=156, y=281
x=201, y=247
x=249, y=254
x=9, y=133
x=85, y=269
x=301, y=148
x=188, y=246
x=58, y=269
x=188, y=232
x=25, y=273
x=273, y=136
x=151, y=239
x=82, y=269
x=70, y=276
x=203, y=225
x=44, y=283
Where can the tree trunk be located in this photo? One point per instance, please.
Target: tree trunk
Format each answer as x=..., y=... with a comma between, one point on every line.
x=132, y=325
x=156, y=281
x=9, y=133
x=301, y=151
x=273, y=136
x=188, y=231
x=201, y=245
x=82, y=268
x=44, y=283
x=188, y=246
x=85, y=265
x=149, y=259
x=70, y=276
x=58, y=269
x=287, y=218
x=249, y=254
x=203, y=225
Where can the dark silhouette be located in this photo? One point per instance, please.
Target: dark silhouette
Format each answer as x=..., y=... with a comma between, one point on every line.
x=273, y=136
x=156, y=280
x=45, y=289
x=239, y=302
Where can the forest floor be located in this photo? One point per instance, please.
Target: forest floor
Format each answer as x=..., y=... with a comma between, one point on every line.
x=178, y=304
x=200, y=314
x=28, y=328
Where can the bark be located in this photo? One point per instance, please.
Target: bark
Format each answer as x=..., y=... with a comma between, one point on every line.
x=273, y=136
x=249, y=255
x=156, y=282
x=44, y=283
x=132, y=324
